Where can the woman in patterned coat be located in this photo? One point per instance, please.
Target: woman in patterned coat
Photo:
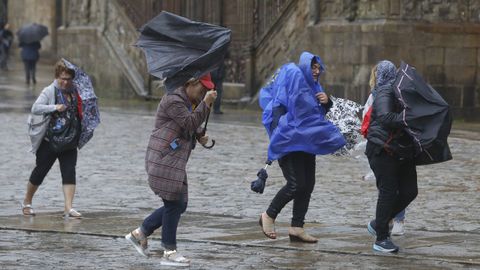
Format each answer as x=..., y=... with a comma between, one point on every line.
x=177, y=128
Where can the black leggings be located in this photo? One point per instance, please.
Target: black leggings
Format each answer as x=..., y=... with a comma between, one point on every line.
x=299, y=170
x=397, y=188
x=44, y=162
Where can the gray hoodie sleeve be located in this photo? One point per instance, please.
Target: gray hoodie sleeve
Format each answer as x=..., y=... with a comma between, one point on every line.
x=45, y=102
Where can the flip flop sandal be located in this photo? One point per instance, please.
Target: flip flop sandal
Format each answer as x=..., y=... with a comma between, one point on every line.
x=27, y=210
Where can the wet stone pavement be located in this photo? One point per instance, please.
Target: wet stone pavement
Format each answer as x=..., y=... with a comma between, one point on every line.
x=220, y=228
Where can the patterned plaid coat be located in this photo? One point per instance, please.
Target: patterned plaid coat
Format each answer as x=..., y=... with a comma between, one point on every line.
x=165, y=166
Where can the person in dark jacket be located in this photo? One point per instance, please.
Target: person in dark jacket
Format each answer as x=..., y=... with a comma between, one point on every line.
x=30, y=56
x=390, y=155
x=6, y=39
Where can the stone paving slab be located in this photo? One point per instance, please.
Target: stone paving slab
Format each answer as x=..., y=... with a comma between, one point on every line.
x=228, y=233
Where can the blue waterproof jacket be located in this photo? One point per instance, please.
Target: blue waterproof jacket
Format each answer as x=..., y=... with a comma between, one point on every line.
x=292, y=115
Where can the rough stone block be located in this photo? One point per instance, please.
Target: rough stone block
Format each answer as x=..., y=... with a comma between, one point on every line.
x=469, y=96
x=452, y=95
x=434, y=56
x=435, y=75
x=327, y=39
x=364, y=57
x=414, y=55
x=352, y=54
x=445, y=40
x=460, y=75
x=477, y=97
x=332, y=55
x=233, y=91
x=375, y=54
x=460, y=57
x=478, y=59
x=471, y=41
x=339, y=73
x=361, y=74
x=394, y=39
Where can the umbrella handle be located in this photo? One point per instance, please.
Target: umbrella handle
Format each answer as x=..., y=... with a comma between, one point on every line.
x=209, y=146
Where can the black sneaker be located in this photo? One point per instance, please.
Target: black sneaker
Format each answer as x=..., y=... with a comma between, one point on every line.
x=372, y=225
x=386, y=246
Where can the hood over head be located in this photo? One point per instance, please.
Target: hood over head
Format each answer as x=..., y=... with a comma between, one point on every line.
x=305, y=63
x=386, y=72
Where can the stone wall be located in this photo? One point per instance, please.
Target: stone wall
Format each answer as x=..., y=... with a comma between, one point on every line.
x=98, y=35
x=85, y=47
x=440, y=38
x=283, y=43
x=21, y=12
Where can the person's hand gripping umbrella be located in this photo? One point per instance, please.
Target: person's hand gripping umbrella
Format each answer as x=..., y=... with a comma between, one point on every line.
x=210, y=95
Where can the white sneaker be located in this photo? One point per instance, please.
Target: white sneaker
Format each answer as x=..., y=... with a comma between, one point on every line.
x=398, y=228
x=140, y=245
x=369, y=176
x=173, y=258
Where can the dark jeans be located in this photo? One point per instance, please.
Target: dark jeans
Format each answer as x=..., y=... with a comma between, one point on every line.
x=299, y=170
x=166, y=217
x=397, y=188
x=45, y=158
x=30, y=67
x=3, y=56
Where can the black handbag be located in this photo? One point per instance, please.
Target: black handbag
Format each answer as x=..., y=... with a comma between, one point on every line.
x=63, y=129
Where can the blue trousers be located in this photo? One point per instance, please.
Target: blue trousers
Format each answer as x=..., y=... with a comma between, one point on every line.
x=166, y=217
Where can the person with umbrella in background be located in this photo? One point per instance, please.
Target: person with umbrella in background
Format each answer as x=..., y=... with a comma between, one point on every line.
x=182, y=52
x=29, y=37
x=294, y=107
x=59, y=124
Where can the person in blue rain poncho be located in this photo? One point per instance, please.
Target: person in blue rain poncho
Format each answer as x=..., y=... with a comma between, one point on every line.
x=294, y=107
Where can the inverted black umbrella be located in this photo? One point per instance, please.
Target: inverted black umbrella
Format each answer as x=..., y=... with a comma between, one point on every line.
x=32, y=32
x=427, y=116
x=178, y=49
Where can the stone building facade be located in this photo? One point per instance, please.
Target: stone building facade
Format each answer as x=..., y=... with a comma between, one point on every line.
x=439, y=37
